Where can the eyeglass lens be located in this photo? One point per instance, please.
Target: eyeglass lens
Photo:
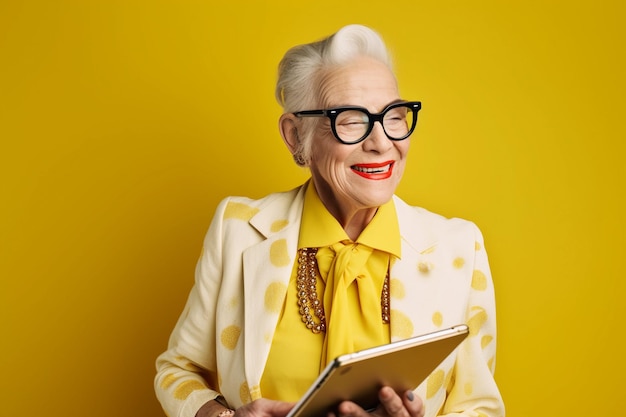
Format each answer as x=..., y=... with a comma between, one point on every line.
x=352, y=125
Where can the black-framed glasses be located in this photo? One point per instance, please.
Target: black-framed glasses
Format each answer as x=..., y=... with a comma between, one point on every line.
x=352, y=124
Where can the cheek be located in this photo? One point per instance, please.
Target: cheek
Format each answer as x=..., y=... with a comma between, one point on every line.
x=403, y=151
x=403, y=148
x=328, y=152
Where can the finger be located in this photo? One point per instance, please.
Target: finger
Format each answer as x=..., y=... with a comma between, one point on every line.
x=280, y=408
x=413, y=404
x=391, y=401
x=266, y=408
x=350, y=409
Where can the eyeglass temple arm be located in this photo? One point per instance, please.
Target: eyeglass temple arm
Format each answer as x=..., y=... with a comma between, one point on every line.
x=310, y=113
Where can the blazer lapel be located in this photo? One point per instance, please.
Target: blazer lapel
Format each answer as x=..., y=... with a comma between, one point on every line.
x=267, y=270
x=409, y=275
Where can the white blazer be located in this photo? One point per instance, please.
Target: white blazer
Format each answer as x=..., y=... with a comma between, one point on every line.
x=223, y=337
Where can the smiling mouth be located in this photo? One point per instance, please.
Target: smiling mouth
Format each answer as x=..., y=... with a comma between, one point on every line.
x=379, y=171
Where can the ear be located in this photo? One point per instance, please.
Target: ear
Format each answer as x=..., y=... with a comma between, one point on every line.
x=287, y=125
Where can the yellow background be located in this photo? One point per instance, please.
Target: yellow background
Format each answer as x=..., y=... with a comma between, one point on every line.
x=123, y=123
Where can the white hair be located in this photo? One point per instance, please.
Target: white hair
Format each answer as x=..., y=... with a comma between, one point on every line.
x=300, y=69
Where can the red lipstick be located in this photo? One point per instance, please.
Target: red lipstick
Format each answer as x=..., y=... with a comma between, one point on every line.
x=374, y=171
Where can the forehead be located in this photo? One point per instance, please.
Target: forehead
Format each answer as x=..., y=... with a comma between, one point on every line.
x=362, y=82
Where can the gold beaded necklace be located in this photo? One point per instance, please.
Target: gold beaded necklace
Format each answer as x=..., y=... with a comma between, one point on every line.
x=308, y=302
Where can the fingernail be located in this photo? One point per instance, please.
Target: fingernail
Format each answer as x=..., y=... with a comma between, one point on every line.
x=410, y=395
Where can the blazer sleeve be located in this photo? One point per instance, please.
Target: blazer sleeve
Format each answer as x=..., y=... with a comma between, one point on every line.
x=473, y=390
x=186, y=375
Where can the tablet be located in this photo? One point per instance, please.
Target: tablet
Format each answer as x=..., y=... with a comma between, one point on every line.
x=358, y=376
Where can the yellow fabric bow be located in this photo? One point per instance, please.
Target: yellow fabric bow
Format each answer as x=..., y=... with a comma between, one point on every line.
x=353, y=274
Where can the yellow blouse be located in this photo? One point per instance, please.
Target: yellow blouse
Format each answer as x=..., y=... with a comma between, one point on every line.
x=352, y=276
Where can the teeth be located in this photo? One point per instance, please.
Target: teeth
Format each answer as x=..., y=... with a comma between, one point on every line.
x=372, y=170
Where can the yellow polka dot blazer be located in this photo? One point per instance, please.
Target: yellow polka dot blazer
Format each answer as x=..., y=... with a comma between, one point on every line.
x=222, y=339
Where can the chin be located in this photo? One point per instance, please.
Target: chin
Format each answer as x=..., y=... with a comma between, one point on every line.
x=377, y=199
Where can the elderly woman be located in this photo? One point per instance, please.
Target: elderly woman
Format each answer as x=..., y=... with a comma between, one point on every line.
x=381, y=270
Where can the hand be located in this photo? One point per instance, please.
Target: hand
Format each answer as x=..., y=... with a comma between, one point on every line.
x=264, y=408
x=391, y=405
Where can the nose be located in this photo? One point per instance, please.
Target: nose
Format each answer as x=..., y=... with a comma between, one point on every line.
x=377, y=140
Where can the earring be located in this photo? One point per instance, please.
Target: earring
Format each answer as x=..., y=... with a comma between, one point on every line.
x=299, y=159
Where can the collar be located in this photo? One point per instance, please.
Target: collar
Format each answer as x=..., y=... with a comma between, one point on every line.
x=319, y=228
